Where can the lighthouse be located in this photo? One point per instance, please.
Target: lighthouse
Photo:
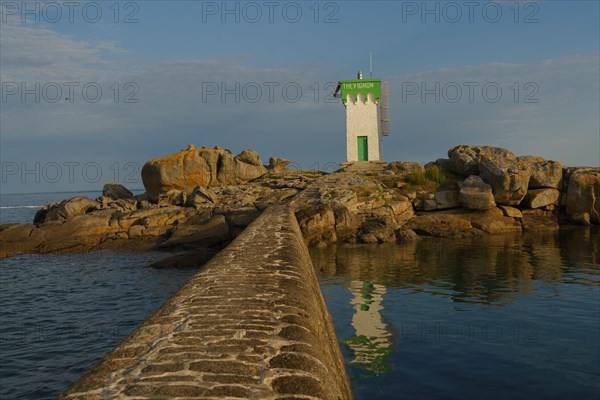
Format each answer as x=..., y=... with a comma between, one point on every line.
x=367, y=119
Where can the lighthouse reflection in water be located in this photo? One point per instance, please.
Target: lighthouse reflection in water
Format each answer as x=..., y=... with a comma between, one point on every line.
x=371, y=344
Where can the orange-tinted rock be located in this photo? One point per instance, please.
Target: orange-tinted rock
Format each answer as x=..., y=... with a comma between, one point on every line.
x=583, y=196
x=200, y=167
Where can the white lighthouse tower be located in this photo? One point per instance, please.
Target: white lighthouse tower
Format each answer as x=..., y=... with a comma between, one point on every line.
x=367, y=117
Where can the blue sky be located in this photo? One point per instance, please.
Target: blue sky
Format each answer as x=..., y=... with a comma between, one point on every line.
x=543, y=56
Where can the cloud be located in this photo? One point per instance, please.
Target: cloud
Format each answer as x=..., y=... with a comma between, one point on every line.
x=173, y=107
x=541, y=103
x=33, y=52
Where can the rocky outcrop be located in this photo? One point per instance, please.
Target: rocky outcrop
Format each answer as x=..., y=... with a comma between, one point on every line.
x=465, y=160
x=203, y=220
x=351, y=208
x=544, y=173
x=583, y=196
x=538, y=198
x=371, y=206
x=200, y=197
x=197, y=232
x=508, y=177
x=445, y=199
x=463, y=223
x=277, y=165
x=65, y=209
x=501, y=169
x=202, y=167
x=475, y=194
x=116, y=191
x=406, y=166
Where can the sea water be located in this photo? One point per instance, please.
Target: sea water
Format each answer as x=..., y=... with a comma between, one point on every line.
x=61, y=313
x=501, y=317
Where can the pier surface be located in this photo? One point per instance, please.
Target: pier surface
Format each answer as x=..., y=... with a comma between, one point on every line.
x=251, y=324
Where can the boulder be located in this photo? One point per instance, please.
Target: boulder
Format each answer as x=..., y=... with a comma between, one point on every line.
x=538, y=198
x=191, y=235
x=429, y=205
x=493, y=221
x=583, y=196
x=80, y=233
x=501, y=169
x=406, y=167
x=440, y=224
x=129, y=204
x=405, y=235
x=402, y=211
x=116, y=191
x=462, y=223
x=475, y=194
x=376, y=230
x=508, y=177
x=64, y=210
x=200, y=167
x=511, y=211
x=200, y=195
x=443, y=164
x=317, y=224
x=244, y=167
x=124, y=205
x=347, y=222
x=172, y=198
x=445, y=199
x=465, y=160
x=545, y=173
x=17, y=238
x=151, y=217
x=277, y=164
x=249, y=157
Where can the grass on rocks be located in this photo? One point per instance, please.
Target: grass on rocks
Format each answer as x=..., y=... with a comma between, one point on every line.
x=432, y=179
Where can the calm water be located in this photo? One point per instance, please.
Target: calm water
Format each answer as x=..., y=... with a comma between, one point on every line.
x=500, y=318
x=61, y=313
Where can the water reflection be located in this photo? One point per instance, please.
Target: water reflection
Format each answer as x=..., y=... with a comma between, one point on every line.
x=371, y=343
x=489, y=270
x=494, y=317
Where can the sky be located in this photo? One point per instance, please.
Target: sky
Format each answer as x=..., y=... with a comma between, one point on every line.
x=91, y=90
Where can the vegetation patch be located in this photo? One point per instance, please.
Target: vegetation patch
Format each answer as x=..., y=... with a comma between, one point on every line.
x=432, y=179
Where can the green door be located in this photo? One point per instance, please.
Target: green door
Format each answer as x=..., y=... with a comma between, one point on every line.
x=363, y=149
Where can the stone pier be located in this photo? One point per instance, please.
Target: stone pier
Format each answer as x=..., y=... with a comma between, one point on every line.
x=252, y=324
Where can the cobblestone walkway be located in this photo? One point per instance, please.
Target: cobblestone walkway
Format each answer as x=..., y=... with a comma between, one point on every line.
x=251, y=324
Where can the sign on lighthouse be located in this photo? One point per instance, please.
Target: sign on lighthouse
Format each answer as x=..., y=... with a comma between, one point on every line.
x=367, y=117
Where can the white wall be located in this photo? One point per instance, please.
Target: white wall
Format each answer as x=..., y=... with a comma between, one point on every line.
x=361, y=120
